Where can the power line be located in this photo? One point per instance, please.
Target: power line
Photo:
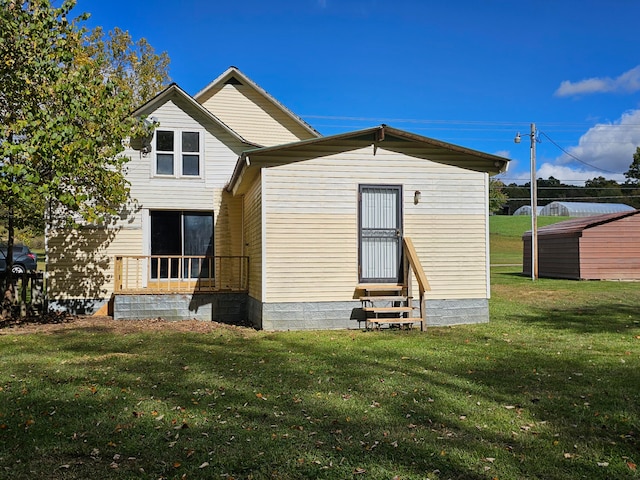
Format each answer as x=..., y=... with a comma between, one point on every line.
x=576, y=158
x=569, y=187
x=574, y=198
x=578, y=126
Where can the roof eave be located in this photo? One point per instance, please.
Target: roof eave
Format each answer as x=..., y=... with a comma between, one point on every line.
x=491, y=164
x=174, y=89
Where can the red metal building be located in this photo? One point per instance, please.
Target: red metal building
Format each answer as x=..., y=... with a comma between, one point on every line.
x=601, y=247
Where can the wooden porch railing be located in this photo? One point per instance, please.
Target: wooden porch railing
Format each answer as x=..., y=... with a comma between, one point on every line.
x=180, y=274
x=413, y=265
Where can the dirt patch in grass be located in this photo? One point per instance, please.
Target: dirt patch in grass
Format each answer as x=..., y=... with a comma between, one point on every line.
x=108, y=324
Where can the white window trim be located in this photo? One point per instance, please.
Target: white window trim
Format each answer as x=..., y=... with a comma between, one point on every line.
x=177, y=153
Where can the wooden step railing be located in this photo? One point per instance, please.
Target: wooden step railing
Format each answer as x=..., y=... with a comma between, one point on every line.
x=412, y=265
x=392, y=303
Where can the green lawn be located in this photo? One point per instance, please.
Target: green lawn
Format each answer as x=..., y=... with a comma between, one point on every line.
x=506, y=236
x=547, y=390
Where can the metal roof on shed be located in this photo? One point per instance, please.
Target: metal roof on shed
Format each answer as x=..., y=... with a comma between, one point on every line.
x=577, y=225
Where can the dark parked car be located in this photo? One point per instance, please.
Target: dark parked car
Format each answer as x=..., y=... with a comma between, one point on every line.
x=24, y=260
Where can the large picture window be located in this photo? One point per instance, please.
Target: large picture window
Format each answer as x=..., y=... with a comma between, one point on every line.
x=178, y=153
x=181, y=244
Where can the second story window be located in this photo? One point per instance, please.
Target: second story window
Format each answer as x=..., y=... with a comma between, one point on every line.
x=178, y=153
x=164, y=152
x=191, y=153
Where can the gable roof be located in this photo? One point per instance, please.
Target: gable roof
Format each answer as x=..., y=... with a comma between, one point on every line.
x=578, y=225
x=174, y=90
x=383, y=136
x=233, y=75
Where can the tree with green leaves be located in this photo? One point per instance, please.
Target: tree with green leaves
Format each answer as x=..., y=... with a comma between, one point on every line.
x=497, y=197
x=133, y=67
x=64, y=111
x=633, y=174
x=631, y=187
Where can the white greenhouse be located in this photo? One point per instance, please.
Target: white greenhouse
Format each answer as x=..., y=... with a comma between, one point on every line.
x=582, y=209
x=526, y=210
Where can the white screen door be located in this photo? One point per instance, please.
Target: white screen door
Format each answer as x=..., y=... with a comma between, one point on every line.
x=380, y=233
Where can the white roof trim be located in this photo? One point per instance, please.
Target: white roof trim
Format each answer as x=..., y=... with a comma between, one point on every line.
x=174, y=89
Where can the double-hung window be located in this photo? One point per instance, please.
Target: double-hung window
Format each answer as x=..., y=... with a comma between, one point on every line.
x=178, y=153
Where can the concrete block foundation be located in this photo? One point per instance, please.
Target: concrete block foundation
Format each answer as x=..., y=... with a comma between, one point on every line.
x=241, y=309
x=220, y=307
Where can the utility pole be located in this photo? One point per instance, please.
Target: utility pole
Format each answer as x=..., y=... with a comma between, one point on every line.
x=534, y=206
x=534, y=202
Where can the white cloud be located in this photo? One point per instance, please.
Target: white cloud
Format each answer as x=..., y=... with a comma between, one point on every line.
x=608, y=146
x=571, y=176
x=503, y=153
x=628, y=82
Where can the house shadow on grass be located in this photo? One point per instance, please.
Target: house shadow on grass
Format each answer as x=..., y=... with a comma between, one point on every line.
x=610, y=317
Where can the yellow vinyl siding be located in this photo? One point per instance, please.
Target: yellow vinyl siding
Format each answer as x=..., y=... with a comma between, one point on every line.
x=181, y=193
x=252, y=204
x=228, y=226
x=311, y=258
x=312, y=224
x=81, y=261
x=75, y=274
x=252, y=116
x=452, y=251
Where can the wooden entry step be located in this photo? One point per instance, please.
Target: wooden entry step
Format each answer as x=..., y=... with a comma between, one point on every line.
x=387, y=304
x=370, y=288
x=398, y=310
x=375, y=323
x=387, y=298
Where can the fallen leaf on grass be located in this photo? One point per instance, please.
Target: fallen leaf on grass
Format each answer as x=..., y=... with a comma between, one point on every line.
x=359, y=471
x=603, y=464
x=631, y=465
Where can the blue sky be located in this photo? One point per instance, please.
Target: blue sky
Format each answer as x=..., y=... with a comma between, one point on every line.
x=470, y=72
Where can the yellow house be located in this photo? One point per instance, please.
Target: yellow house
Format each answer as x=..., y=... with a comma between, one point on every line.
x=241, y=212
